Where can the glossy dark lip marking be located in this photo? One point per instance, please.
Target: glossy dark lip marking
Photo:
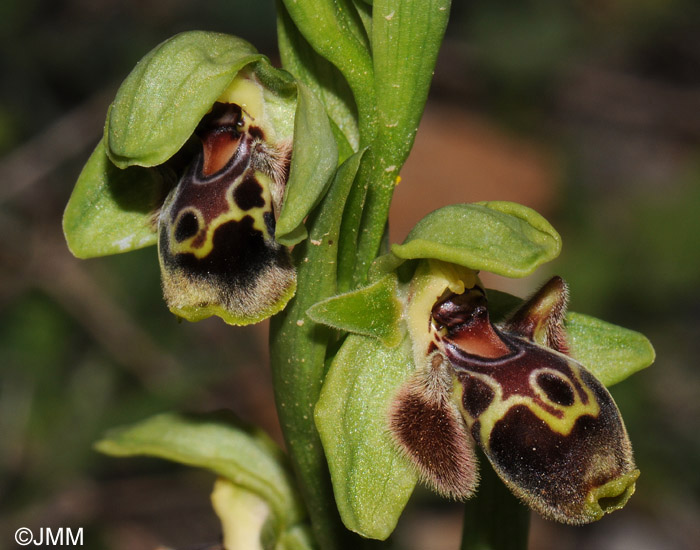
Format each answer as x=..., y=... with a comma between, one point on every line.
x=457, y=355
x=525, y=358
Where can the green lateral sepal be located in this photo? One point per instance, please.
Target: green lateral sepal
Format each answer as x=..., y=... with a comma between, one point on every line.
x=611, y=353
x=372, y=481
x=111, y=210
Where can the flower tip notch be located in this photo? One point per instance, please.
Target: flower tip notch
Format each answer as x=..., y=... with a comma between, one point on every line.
x=610, y=496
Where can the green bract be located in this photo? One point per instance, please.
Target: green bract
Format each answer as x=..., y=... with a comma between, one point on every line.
x=313, y=163
x=219, y=443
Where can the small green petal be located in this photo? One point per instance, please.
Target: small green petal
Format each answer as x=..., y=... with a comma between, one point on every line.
x=112, y=210
x=501, y=237
x=373, y=311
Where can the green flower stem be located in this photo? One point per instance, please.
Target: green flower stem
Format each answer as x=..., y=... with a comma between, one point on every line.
x=494, y=519
x=406, y=39
x=298, y=353
x=374, y=223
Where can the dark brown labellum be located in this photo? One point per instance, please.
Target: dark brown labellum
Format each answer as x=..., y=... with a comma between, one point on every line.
x=550, y=429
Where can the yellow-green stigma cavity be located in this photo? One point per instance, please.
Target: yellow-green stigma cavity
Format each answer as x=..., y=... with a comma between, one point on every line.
x=611, y=496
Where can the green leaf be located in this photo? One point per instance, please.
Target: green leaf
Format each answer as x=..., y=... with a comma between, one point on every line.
x=112, y=210
x=371, y=480
x=325, y=80
x=609, y=352
x=373, y=311
x=161, y=102
x=314, y=161
x=216, y=442
x=501, y=237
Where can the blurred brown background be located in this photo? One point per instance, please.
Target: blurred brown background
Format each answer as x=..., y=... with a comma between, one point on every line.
x=588, y=112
